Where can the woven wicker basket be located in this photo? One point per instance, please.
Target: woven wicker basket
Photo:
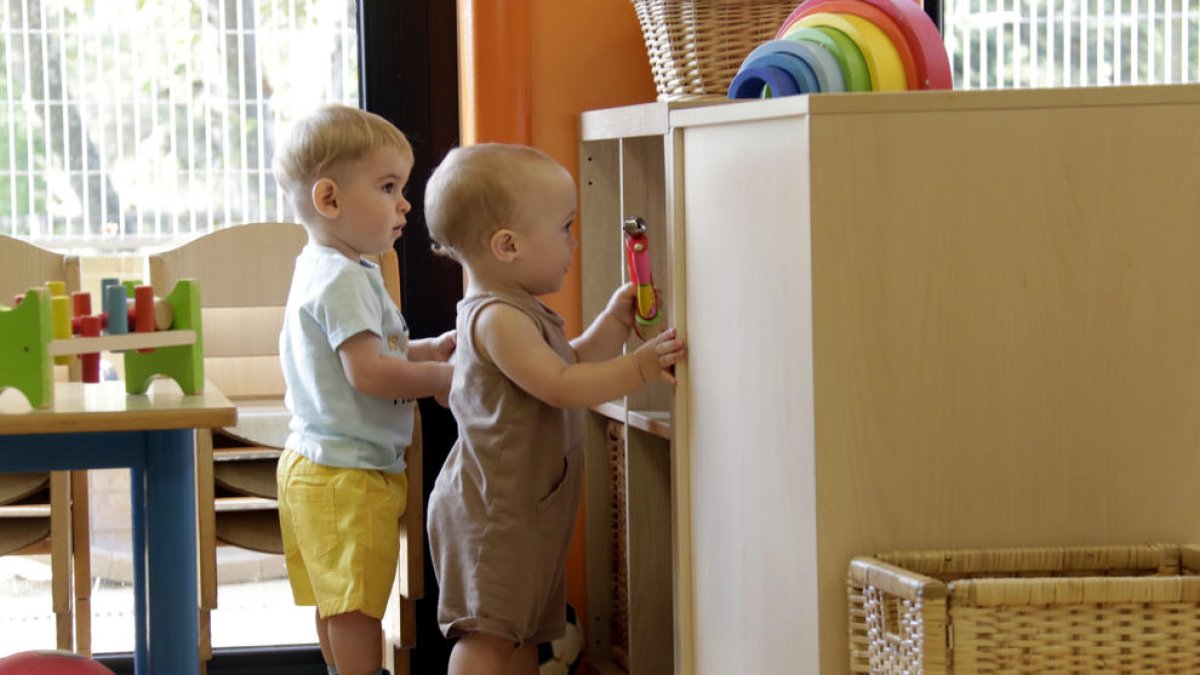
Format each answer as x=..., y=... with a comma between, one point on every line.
x=1064, y=610
x=696, y=46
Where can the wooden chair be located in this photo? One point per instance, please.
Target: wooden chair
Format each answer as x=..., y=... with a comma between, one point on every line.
x=244, y=274
x=48, y=512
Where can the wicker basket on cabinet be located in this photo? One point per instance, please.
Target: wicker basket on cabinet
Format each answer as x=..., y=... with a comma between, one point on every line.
x=696, y=46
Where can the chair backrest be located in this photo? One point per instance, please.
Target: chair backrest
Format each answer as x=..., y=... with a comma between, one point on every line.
x=23, y=265
x=244, y=273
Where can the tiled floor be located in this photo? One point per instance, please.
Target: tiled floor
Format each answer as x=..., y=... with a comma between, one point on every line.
x=251, y=612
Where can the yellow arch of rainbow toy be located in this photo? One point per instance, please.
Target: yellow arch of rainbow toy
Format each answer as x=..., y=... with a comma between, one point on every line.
x=883, y=61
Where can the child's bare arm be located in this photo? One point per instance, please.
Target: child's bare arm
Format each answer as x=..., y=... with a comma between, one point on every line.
x=603, y=339
x=387, y=377
x=515, y=344
x=440, y=348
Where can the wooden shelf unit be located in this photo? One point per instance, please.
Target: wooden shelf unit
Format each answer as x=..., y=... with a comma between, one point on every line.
x=915, y=321
x=622, y=174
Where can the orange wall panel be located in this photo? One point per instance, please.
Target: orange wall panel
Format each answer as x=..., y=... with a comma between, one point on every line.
x=528, y=68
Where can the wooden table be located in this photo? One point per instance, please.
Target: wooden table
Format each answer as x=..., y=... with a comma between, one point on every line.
x=97, y=426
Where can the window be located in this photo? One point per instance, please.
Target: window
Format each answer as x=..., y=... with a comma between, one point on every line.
x=999, y=44
x=128, y=124
x=132, y=123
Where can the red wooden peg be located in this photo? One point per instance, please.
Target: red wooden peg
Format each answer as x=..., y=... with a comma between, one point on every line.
x=91, y=362
x=143, y=310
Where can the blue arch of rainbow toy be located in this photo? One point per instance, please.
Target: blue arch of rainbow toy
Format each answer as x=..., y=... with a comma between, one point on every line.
x=820, y=61
x=749, y=82
x=810, y=67
x=802, y=74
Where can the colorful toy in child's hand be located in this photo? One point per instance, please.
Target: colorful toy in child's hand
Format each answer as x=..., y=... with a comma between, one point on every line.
x=647, y=315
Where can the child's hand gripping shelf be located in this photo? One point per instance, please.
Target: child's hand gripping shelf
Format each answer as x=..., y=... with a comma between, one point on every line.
x=166, y=338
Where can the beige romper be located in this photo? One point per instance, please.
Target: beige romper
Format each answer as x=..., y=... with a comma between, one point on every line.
x=503, y=508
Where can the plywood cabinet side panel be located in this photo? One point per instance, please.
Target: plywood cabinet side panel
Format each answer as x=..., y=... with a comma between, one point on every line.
x=747, y=290
x=648, y=500
x=1006, y=306
x=599, y=224
x=681, y=489
x=599, y=532
x=644, y=194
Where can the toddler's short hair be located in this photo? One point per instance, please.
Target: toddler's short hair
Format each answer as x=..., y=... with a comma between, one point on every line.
x=475, y=191
x=330, y=135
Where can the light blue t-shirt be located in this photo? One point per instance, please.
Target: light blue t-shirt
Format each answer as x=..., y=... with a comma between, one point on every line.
x=332, y=299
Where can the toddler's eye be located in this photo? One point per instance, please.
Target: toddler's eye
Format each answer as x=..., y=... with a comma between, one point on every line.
x=389, y=187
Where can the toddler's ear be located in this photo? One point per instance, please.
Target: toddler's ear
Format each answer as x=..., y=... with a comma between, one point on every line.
x=325, y=198
x=503, y=245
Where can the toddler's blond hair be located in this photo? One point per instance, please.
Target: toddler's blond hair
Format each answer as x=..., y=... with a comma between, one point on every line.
x=329, y=136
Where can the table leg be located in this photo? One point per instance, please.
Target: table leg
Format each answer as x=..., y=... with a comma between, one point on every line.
x=171, y=552
x=137, y=506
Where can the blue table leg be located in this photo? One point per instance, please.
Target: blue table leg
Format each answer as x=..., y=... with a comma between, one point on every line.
x=163, y=504
x=137, y=503
x=171, y=552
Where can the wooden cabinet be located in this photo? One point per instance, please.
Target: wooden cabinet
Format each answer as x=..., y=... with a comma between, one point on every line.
x=915, y=321
x=628, y=446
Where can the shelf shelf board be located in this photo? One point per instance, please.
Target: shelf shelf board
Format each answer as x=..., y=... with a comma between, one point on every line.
x=25, y=511
x=244, y=454
x=613, y=410
x=225, y=504
x=655, y=422
x=643, y=119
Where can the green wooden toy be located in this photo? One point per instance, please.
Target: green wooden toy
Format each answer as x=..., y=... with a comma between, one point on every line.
x=28, y=345
x=182, y=363
x=25, y=362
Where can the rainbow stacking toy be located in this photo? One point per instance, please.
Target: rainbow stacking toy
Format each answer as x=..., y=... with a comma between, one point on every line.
x=847, y=45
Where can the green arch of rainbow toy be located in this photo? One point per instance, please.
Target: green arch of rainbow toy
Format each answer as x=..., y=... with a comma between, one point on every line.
x=875, y=45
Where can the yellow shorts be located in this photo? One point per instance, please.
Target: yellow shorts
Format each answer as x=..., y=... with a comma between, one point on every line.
x=341, y=534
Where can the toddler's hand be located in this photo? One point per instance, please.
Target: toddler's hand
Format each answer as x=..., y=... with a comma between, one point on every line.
x=658, y=356
x=444, y=346
x=623, y=303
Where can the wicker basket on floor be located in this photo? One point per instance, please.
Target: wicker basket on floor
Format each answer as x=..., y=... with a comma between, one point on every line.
x=696, y=46
x=1064, y=610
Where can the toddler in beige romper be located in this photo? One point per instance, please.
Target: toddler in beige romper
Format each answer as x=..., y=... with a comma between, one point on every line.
x=502, y=511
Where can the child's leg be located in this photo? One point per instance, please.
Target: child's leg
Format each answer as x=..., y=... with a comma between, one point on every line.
x=482, y=654
x=323, y=639
x=524, y=660
x=357, y=643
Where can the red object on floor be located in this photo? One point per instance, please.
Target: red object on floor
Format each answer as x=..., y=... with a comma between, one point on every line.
x=50, y=663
